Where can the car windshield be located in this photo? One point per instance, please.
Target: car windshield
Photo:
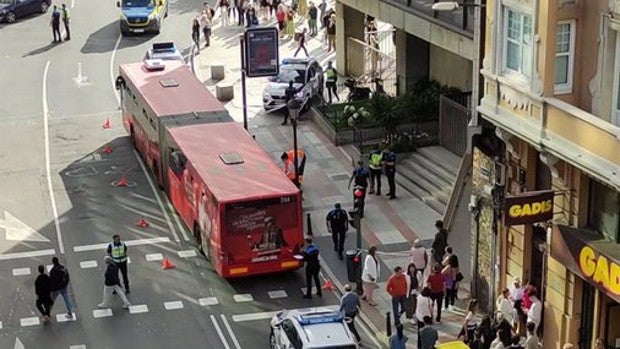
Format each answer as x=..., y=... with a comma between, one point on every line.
x=6, y=1
x=138, y=3
x=289, y=74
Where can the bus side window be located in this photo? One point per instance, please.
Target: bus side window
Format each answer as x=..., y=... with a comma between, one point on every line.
x=177, y=162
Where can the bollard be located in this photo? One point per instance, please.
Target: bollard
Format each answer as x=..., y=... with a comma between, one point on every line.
x=309, y=220
x=388, y=324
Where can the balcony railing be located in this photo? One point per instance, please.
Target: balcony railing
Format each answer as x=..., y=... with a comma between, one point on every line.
x=461, y=18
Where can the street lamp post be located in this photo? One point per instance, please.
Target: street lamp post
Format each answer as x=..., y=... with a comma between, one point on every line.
x=452, y=5
x=294, y=105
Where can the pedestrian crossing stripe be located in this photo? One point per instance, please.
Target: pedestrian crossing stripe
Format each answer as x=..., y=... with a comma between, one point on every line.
x=154, y=257
x=97, y=313
x=21, y=271
x=29, y=321
x=277, y=294
x=64, y=318
x=78, y=346
x=187, y=254
x=88, y=264
x=138, y=309
x=173, y=305
x=208, y=301
x=246, y=297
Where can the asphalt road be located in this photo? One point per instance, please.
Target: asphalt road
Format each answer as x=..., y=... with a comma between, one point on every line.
x=58, y=198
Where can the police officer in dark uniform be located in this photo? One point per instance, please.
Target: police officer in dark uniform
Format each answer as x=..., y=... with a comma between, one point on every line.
x=289, y=95
x=337, y=224
x=360, y=175
x=55, y=23
x=311, y=257
x=389, y=168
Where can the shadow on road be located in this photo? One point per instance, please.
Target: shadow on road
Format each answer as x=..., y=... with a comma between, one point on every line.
x=42, y=49
x=104, y=39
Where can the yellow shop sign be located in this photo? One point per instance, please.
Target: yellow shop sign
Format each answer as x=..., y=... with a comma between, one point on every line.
x=529, y=207
x=600, y=269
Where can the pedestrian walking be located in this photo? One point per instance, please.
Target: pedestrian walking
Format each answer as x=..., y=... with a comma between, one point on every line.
x=251, y=17
x=370, y=274
x=440, y=242
x=205, y=25
x=428, y=335
x=65, y=15
x=534, y=313
x=413, y=286
x=389, y=168
x=374, y=163
x=117, y=250
x=112, y=284
x=419, y=257
x=322, y=8
x=196, y=34
x=350, y=307
x=468, y=329
x=42, y=288
x=331, y=77
x=59, y=283
x=331, y=33
x=531, y=342
x=436, y=282
x=290, y=22
x=451, y=273
x=397, y=288
x=337, y=223
x=360, y=176
x=311, y=257
x=55, y=24
x=398, y=340
x=312, y=17
x=301, y=43
x=224, y=8
x=423, y=309
x=281, y=18
x=240, y=7
x=504, y=306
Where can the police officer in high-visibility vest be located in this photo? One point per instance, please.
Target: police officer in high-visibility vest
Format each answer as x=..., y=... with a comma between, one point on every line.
x=331, y=76
x=65, y=15
x=118, y=251
x=376, y=167
x=288, y=162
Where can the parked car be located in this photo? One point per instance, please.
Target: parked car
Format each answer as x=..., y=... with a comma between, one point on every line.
x=307, y=77
x=11, y=10
x=165, y=51
x=319, y=328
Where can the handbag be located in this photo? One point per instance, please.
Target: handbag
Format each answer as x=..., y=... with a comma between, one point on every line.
x=459, y=277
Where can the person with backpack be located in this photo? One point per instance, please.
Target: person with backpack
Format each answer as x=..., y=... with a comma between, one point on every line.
x=59, y=282
x=337, y=225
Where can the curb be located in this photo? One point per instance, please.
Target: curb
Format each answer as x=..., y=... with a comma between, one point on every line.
x=368, y=326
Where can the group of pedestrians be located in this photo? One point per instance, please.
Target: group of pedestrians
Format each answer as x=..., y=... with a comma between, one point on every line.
x=49, y=286
x=57, y=16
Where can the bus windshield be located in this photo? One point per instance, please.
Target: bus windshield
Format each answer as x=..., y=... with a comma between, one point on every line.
x=138, y=3
x=265, y=225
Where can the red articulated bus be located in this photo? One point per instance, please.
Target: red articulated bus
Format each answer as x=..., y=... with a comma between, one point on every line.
x=245, y=213
x=157, y=97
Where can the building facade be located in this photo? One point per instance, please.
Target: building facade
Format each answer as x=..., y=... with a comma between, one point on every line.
x=546, y=174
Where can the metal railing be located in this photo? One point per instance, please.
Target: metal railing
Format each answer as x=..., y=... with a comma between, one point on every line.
x=454, y=115
x=365, y=62
x=457, y=191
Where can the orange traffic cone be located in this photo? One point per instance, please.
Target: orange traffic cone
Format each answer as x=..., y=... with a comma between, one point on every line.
x=106, y=124
x=122, y=182
x=167, y=264
x=142, y=223
x=107, y=149
x=328, y=286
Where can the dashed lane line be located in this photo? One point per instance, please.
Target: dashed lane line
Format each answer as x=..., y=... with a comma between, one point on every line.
x=246, y=297
x=98, y=313
x=29, y=321
x=187, y=254
x=64, y=318
x=208, y=301
x=138, y=309
x=29, y=254
x=78, y=346
x=173, y=305
x=21, y=271
x=154, y=257
x=277, y=294
x=254, y=316
x=88, y=264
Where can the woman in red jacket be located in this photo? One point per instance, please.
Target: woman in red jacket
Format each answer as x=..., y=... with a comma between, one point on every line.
x=436, y=282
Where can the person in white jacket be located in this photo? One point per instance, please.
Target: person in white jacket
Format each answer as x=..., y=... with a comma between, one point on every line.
x=505, y=307
x=370, y=274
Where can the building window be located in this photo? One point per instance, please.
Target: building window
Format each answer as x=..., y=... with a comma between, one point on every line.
x=604, y=211
x=518, y=43
x=564, y=56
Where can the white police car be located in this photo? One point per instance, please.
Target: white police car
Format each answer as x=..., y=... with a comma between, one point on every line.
x=316, y=328
x=307, y=77
x=165, y=51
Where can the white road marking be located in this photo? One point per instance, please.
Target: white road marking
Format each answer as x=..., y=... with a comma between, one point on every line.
x=230, y=332
x=0, y=325
x=173, y=305
x=64, y=318
x=246, y=297
x=88, y=264
x=154, y=257
x=29, y=254
x=208, y=301
x=80, y=79
x=48, y=171
x=16, y=230
x=29, y=321
x=112, y=78
x=254, y=316
x=97, y=313
x=49, y=267
x=187, y=254
x=137, y=242
x=277, y=294
x=138, y=309
x=18, y=344
x=219, y=331
x=78, y=346
x=72, y=3
x=156, y=193
x=21, y=271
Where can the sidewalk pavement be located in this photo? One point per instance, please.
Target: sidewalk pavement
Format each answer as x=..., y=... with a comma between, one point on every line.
x=391, y=225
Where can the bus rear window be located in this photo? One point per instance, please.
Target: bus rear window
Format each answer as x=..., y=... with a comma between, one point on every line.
x=250, y=216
